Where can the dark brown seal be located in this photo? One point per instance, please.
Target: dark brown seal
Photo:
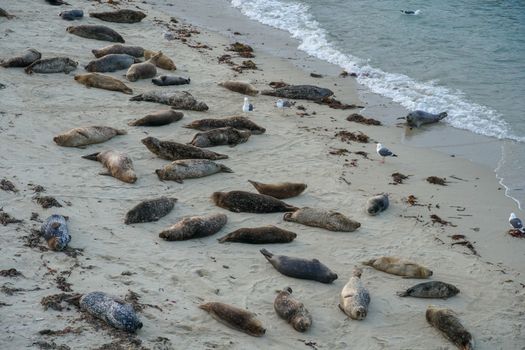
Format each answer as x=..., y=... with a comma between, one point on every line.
x=102, y=81
x=158, y=118
x=235, y=318
x=150, y=210
x=174, y=151
x=449, y=325
x=135, y=51
x=292, y=310
x=221, y=136
x=25, y=59
x=259, y=235
x=280, y=190
x=119, y=16
x=119, y=165
x=177, y=99
x=52, y=65
x=432, y=289
x=242, y=201
x=95, y=32
x=236, y=122
x=302, y=92
x=326, y=219
x=194, y=227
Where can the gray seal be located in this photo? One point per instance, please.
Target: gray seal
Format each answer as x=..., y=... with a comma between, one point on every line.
x=178, y=99
x=96, y=32
x=221, y=136
x=190, y=169
x=449, y=325
x=174, y=151
x=111, y=63
x=158, y=118
x=326, y=219
x=71, y=15
x=377, y=204
x=300, y=268
x=165, y=80
x=259, y=235
x=237, y=122
x=135, y=51
x=300, y=92
x=292, y=310
x=432, y=289
x=418, y=118
x=119, y=16
x=248, y=202
x=355, y=298
x=150, y=210
x=52, y=65
x=194, y=227
x=88, y=135
x=25, y=59
x=55, y=232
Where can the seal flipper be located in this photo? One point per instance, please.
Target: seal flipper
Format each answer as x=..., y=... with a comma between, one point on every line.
x=402, y=293
x=121, y=132
x=92, y=156
x=225, y=169
x=288, y=217
x=369, y=262
x=105, y=173
x=266, y=254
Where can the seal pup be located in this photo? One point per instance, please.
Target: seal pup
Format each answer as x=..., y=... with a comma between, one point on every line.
x=52, y=65
x=194, y=227
x=418, y=118
x=240, y=87
x=449, y=325
x=162, y=61
x=87, y=135
x=27, y=57
x=292, y=310
x=237, y=122
x=300, y=92
x=158, y=118
x=259, y=235
x=377, y=204
x=4, y=13
x=71, y=15
x=119, y=165
x=166, y=80
x=432, y=289
x=399, y=266
x=221, y=136
x=111, y=63
x=322, y=218
x=235, y=318
x=135, y=51
x=355, y=298
x=383, y=152
x=119, y=16
x=96, y=32
x=174, y=151
x=55, y=232
x=112, y=310
x=247, y=202
x=177, y=100
x=142, y=70
x=281, y=190
x=300, y=268
x=150, y=210
x=190, y=169
x=102, y=81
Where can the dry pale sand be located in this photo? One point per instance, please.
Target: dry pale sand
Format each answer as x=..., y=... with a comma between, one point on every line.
x=178, y=276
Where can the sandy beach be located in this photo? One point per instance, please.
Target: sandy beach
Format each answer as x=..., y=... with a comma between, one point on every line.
x=173, y=278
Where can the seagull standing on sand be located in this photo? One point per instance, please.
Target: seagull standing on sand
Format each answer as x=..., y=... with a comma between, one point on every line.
x=247, y=106
x=516, y=223
x=384, y=152
x=282, y=104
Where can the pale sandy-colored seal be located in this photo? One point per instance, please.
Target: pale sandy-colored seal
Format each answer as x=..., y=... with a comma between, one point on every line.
x=111, y=63
x=150, y=210
x=326, y=219
x=449, y=325
x=259, y=235
x=166, y=80
x=235, y=318
x=52, y=65
x=399, y=266
x=96, y=32
x=432, y=289
x=119, y=16
x=158, y=118
x=190, y=169
x=377, y=204
x=300, y=92
x=142, y=70
x=237, y=122
x=135, y=51
x=281, y=190
x=162, y=61
x=240, y=87
x=102, y=81
x=418, y=118
x=119, y=165
x=87, y=135
x=292, y=310
x=355, y=298
x=194, y=227
x=221, y=136
x=55, y=232
x=23, y=60
x=242, y=201
x=175, y=151
x=300, y=268
x=175, y=99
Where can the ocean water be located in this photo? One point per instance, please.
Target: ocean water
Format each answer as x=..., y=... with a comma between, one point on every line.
x=466, y=57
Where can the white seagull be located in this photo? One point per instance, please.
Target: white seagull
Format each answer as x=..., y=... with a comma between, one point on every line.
x=516, y=223
x=282, y=104
x=247, y=106
x=384, y=152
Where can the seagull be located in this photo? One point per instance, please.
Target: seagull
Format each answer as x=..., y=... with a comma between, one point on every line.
x=282, y=104
x=516, y=223
x=247, y=106
x=384, y=152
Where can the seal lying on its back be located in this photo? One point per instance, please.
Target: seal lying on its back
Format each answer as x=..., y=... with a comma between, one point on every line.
x=241, y=123
x=25, y=59
x=300, y=92
x=300, y=268
x=292, y=310
x=135, y=51
x=280, y=190
x=95, y=32
x=194, y=227
x=102, y=81
x=399, y=266
x=55, y=232
x=112, y=310
x=158, y=118
x=433, y=289
x=240, y=87
x=178, y=100
x=150, y=210
x=174, y=151
x=119, y=16
x=259, y=235
x=235, y=318
x=119, y=165
x=111, y=63
x=326, y=219
x=166, y=80
x=449, y=325
x=418, y=118
x=377, y=204
x=52, y=65
x=355, y=298
x=247, y=202
x=87, y=135
x=221, y=136
x=190, y=169
x=163, y=61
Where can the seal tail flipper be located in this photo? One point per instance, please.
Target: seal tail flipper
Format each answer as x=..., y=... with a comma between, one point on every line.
x=220, y=156
x=266, y=254
x=402, y=293
x=225, y=169
x=128, y=91
x=206, y=307
x=394, y=155
x=121, y=132
x=442, y=115
x=255, y=184
x=288, y=217
x=289, y=207
x=368, y=262
x=136, y=98
x=92, y=156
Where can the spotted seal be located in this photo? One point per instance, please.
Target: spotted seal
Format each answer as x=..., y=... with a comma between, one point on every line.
x=418, y=118
x=96, y=32
x=119, y=16
x=247, y=202
x=326, y=219
x=55, y=232
x=377, y=204
x=87, y=135
x=355, y=298
x=162, y=61
x=259, y=235
x=237, y=122
x=150, y=210
x=52, y=65
x=449, y=325
x=432, y=289
x=281, y=190
x=102, y=81
x=166, y=80
x=111, y=63
x=174, y=151
x=119, y=165
x=190, y=169
x=240, y=87
x=158, y=118
x=235, y=318
x=26, y=58
x=399, y=266
x=292, y=310
x=220, y=136
x=300, y=92
x=135, y=51
x=177, y=99
x=194, y=227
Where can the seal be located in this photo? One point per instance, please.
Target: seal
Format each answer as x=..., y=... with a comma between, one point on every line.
x=235, y=318
x=166, y=80
x=399, y=266
x=55, y=232
x=87, y=135
x=162, y=61
x=221, y=136
x=23, y=60
x=237, y=122
x=142, y=70
x=300, y=268
x=177, y=100
x=292, y=310
x=174, y=151
x=158, y=118
x=190, y=169
x=327, y=219
x=56, y=2
x=111, y=63
x=377, y=204
x=150, y=210
x=102, y=81
x=52, y=65
x=300, y=92
x=96, y=32
x=71, y=15
x=194, y=227
x=433, y=289
x=247, y=202
x=449, y=325
x=112, y=310
x=240, y=87
x=119, y=16
x=259, y=235
x=135, y=51
x=4, y=13
x=418, y=118
x=281, y=190
x=355, y=298
x=119, y=165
